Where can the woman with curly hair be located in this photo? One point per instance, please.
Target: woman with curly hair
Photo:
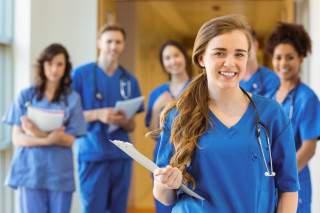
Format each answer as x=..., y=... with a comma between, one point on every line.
x=42, y=165
x=214, y=137
x=288, y=45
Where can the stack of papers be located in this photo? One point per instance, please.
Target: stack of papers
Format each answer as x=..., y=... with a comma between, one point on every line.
x=130, y=107
x=45, y=120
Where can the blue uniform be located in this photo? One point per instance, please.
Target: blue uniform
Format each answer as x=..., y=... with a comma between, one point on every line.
x=154, y=95
x=305, y=120
x=100, y=185
x=45, y=167
x=228, y=167
x=262, y=82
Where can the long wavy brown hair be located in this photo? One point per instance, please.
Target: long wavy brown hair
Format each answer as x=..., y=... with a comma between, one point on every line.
x=47, y=54
x=192, y=119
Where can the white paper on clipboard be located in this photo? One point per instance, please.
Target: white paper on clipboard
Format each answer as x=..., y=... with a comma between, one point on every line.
x=147, y=163
x=130, y=106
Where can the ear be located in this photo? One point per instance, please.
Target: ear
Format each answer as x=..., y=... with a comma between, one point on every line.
x=200, y=60
x=301, y=58
x=255, y=45
x=98, y=43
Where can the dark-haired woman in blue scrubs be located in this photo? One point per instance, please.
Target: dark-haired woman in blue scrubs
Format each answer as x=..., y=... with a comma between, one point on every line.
x=288, y=45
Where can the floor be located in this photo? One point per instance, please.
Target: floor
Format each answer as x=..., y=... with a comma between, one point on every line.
x=135, y=210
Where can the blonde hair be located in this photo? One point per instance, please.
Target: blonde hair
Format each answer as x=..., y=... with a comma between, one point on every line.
x=192, y=119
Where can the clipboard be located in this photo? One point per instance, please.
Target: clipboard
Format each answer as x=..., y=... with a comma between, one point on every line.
x=129, y=149
x=130, y=106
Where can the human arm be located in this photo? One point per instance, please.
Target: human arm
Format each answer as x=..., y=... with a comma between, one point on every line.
x=56, y=137
x=306, y=152
x=166, y=182
x=287, y=202
x=109, y=116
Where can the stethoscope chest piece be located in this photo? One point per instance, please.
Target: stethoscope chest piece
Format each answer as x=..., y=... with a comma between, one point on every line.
x=99, y=96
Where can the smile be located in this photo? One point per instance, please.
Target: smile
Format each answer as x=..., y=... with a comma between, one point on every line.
x=228, y=74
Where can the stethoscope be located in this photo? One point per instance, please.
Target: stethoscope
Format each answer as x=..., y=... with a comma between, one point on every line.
x=67, y=111
x=124, y=75
x=258, y=87
x=258, y=130
x=292, y=97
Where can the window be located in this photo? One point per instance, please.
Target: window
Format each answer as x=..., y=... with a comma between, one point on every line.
x=6, y=69
x=6, y=25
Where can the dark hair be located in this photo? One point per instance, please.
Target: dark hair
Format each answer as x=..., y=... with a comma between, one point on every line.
x=112, y=27
x=182, y=50
x=292, y=34
x=47, y=54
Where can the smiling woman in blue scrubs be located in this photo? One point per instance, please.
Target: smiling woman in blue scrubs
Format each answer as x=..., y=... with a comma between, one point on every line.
x=42, y=165
x=175, y=61
x=288, y=45
x=208, y=135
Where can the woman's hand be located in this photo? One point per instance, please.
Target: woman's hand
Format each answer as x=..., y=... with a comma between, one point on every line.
x=30, y=128
x=166, y=182
x=56, y=136
x=168, y=177
x=162, y=101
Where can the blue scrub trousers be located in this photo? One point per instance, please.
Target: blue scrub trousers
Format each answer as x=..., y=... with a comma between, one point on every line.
x=104, y=185
x=43, y=200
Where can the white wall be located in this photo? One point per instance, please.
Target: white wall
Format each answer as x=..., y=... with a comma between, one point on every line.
x=39, y=23
x=314, y=6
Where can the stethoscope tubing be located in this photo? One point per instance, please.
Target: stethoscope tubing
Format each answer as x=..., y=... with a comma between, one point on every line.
x=267, y=173
x=98, y=94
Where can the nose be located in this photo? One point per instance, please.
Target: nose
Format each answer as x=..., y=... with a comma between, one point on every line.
x=229, y=61
x=283, y=62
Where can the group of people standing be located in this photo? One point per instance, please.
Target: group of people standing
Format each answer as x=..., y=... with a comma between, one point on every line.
x=215, y=132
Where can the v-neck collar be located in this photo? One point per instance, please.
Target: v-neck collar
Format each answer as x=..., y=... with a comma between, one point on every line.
x=242, y=121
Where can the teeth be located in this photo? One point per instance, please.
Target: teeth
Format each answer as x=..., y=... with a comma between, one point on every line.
x=229, y=74
x=284, y=70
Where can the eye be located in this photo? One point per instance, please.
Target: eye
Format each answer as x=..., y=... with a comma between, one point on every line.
x=239, y=54
x=278, y=58
x=290, y=57
x=219, y=54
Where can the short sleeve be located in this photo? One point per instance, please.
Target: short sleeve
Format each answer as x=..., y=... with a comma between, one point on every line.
x=137, y=92
x=76, y=81
x=76, y=125
x=309, y=125
x=16, y=110
x=285, y=162
x=149, y=109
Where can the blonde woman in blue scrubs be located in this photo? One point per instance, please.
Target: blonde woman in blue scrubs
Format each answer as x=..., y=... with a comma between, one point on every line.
x=42, y=164
x=288, y=45
x=209, y=135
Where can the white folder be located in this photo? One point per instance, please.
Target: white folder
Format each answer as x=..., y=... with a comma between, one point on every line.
x=130, y=106
x=147, y=163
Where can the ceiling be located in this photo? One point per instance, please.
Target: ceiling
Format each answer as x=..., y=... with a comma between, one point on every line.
x=187, y=16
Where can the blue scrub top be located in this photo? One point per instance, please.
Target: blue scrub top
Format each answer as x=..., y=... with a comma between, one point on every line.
x=228, y=167
x=262, y=82
x=305, y=117
x=45, y=167
x=95, y=146
x=156, y=93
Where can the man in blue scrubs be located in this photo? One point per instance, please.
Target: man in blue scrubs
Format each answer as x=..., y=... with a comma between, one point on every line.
x=104, y=170
x=258, y=80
